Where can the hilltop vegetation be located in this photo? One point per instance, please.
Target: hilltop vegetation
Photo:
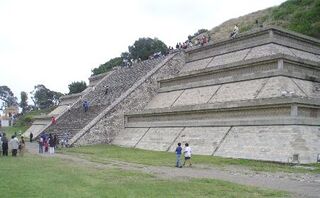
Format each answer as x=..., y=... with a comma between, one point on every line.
x=301, y=16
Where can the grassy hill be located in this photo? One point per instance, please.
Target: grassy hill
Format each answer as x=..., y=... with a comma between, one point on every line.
x=301, y=16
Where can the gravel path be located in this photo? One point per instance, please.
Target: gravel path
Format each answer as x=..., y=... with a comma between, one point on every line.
x=300, y=185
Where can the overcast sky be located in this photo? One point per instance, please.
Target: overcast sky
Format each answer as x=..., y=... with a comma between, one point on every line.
x=57, y=42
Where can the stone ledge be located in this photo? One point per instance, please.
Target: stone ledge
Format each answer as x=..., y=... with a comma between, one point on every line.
x=254, y=103
x=205, y=77
x=282, y=120
x=255, y=38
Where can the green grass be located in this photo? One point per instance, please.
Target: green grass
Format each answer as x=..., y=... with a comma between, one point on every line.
x=12, y=130
x=35, y=176
x=103, y=153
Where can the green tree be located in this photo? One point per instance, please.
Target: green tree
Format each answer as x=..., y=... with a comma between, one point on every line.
x=77, y=87
x=44, y=97
x=7, y=96
x=144, y=47
x=24, y=101
x=107, y=66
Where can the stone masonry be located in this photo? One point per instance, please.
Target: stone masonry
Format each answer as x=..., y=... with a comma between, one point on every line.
x=254, y=97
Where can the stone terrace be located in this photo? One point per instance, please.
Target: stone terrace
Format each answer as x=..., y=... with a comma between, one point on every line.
x=118, y=81
x=254, y=97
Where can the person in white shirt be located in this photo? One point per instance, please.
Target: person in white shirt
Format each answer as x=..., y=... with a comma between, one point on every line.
x=187, y=154
x=235, y=31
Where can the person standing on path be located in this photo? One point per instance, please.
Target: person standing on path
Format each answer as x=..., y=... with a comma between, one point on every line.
x=31, y=136
x=187, y=155
x=22, y=146
x=4, y=145
x=14, y=144
x=178, y=155
x=51, y=142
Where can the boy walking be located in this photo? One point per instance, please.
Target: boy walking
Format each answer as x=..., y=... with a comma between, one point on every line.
x=187, y=155
x=178, y=155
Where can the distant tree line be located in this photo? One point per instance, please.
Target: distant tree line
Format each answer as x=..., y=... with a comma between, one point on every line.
x=141, y=49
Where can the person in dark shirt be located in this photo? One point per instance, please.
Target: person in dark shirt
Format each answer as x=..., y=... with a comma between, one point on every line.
x=178, y=155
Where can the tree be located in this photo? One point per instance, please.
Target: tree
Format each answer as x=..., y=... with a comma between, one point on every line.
x=77, y=87
x=44, y=98
x=144, y=47
x=7, y=96
x=24, y=102
x=107, y=66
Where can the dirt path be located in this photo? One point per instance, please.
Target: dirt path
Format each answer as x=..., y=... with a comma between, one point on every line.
x=301, y=185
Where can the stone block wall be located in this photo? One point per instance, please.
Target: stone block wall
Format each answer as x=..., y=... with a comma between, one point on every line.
x=109, y=127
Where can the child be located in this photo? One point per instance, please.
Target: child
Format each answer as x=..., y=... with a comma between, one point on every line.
x=187, y=154
x=178, y=155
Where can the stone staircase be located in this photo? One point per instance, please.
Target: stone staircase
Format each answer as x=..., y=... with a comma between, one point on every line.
x=255, y=97
x=118, y=81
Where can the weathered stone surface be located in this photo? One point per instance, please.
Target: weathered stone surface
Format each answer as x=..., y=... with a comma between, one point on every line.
x=229, y=58
x=238, y=91
x=58, y=110
x=311, y=89
x=268, y=50
x=305, y=55
x=196, y=65
x=159, y=139
x=34, y=129
x=165, y=99
x=107, y=128
x=129, y=137
x=199, y=95
x=274, y=143
x=280, y=86
x=202, y=140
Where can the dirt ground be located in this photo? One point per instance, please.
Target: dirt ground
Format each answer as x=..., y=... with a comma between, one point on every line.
x=300, y=185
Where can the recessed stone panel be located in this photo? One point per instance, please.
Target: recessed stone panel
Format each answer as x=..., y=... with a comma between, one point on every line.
x=229, y=58
x=58, y=110
x=129, y=137
x=280, y=86
x=165, y=99
x=202, y=140
x=238, y=91
x=159, y=139
x=199, y=95
x=274, y=143
x=305, y=55
x=268, y=50
x=312, y=89
x=196, y=65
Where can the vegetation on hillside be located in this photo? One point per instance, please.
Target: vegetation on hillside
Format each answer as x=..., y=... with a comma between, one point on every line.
x=141, y=49
x=298, y=15
x=77, y=87
x=302, y=16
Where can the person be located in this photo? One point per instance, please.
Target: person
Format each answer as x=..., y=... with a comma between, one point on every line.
x=235, y=32
x=0, y=144
x=40, y=142
x=187, y=155
x=51, y=143
x=56, y=141
x=53, y=120
x=178, y=155
x=85, y=105
x=4, y=140
x=106, y=89
x=22, y=146
x=14, y=144
x=69, y=108
x=31, y=136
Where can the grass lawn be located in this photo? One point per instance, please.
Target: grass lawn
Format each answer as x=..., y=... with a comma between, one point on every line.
x=11, y=130
x=36, y=176
x=104, y=152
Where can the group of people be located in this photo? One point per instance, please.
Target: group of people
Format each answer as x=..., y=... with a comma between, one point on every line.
x=187, y=151
x=14, y=144
x=48, y=143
